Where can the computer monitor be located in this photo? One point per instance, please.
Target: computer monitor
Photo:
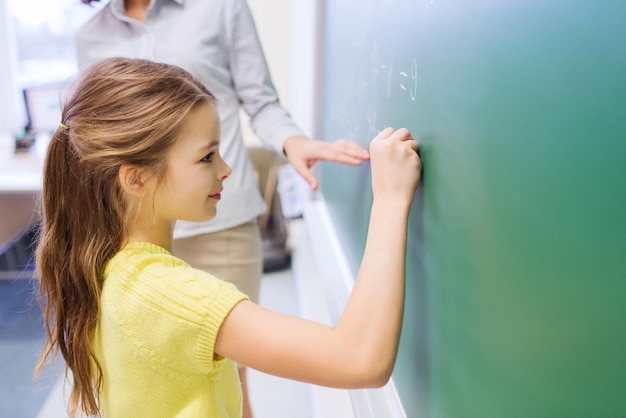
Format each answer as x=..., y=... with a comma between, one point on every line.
x=43, y=108
x=43, y=112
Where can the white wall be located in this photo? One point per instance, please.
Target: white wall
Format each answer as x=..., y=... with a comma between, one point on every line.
x=307, y=64
x=12, y=116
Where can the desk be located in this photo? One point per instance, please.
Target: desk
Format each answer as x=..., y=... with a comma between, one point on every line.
x=20, y=183
x=20, y=173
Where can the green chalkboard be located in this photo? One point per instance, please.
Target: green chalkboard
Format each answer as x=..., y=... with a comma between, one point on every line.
x=516, y=295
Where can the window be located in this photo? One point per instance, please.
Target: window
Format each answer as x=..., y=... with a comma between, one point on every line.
x=44, y=34
x=41, y=57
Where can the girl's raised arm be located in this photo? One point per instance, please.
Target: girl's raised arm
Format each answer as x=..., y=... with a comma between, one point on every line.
x=361, y=350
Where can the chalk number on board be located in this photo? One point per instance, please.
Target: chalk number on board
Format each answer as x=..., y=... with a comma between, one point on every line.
x=408, y=81
x=412, y=80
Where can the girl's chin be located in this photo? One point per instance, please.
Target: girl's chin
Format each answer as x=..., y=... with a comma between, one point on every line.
x=204, y=218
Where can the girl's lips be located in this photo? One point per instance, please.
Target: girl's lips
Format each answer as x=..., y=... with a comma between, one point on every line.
x=216, y=196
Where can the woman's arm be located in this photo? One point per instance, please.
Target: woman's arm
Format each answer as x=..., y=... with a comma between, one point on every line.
x=268, y=118
x=361, y=350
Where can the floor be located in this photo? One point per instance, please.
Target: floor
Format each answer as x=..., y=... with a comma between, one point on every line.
x=21, y=339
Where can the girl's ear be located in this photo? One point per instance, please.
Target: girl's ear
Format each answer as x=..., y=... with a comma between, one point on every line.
x=131, y=179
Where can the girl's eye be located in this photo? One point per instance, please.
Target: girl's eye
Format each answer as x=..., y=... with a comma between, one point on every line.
x=208, y=158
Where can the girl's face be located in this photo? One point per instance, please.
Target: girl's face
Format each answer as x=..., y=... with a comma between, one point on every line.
x=193, y=182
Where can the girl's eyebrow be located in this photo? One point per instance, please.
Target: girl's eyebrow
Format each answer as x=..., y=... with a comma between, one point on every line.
x=210, y=145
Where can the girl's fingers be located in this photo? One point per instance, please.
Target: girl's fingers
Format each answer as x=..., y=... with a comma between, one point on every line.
x=401, y=134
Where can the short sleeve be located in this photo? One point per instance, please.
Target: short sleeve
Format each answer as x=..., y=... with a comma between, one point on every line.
x=172, y=315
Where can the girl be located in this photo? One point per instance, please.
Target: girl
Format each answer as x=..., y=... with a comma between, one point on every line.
x=216, y=40
x=142, y=332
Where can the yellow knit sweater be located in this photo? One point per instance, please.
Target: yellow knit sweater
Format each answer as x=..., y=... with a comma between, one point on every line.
x=155, y=336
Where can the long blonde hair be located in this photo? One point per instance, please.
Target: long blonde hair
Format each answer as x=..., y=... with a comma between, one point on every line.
x=121, y=111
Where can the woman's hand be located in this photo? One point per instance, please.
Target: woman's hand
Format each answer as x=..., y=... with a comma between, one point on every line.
x=303, y=152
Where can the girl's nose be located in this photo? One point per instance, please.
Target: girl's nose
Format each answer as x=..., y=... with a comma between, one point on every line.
x=226, y=171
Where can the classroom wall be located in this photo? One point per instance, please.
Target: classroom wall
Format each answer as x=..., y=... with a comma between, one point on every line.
x=12, y=117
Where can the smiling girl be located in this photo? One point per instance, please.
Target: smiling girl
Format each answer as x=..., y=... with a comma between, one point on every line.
x=142, y=333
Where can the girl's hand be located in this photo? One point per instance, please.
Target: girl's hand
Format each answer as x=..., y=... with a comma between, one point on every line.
x=396, y=167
